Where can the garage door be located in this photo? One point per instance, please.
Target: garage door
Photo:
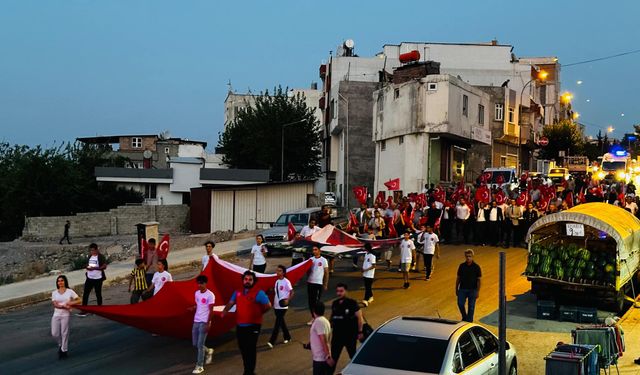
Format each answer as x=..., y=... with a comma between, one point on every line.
x=245, y=210
x=221, y=210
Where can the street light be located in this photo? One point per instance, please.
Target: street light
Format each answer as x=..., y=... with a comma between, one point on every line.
x=282, y=145
x=566, y=97
x=610, y=129
x=575, y=115
x=540, y=77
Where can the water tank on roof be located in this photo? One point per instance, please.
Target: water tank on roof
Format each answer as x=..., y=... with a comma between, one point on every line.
x=409, y=57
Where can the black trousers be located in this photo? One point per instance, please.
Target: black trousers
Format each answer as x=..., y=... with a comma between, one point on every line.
x=428, y=263
x=462, y=231
x=493, y=232
x=247, y=342
x=315, y=292
x=65, y=236
x=92, y=284
x=368, y=292
x=343, y=341
x=481, y=234
x=259, y=268
x=280, y=324
x=321, y=368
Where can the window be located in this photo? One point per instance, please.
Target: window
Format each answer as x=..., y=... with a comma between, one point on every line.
x=383, y=145
x=499, y=113
x=468, y=350
x=136, y=142
x=480, y=114
x=401, y=139
x=166, y=150
x=465, y=105
x=487, y=341
x=396, y=93
x=150, y=191
x=512, y=115
x=432, y=86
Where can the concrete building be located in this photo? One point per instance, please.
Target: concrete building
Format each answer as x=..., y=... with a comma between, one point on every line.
x=429, y=129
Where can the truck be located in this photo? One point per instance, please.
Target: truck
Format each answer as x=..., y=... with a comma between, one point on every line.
x=589, y=254
x=615, y=166
x=576, y=164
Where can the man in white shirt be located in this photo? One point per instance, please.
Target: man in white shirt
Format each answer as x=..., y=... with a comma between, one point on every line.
x=95, y=275
x=317, y=279
x=209, y=245
x=368, y=273
x=204, y=300
x=431, y=248
x=308, y=230
x=283, y=292
x=319, y=341
x=406, y=247
x=630, y=205
x=462, y=216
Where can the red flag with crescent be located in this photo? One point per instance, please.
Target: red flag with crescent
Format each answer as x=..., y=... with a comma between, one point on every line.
x=523, y=198
x=291, y=231
x=392, y=229
x=483, y=194
x=393, y=184
x=361, y=194
x=543, y=204
x=163, y=247
x=380, y=197
x=500, y=197
x=487, y=176
x=439, y=195
x=500, y=179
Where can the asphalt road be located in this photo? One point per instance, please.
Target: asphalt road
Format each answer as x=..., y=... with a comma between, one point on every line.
x=100, y=346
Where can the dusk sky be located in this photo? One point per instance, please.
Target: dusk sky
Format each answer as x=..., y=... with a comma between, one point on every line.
x=82, y=68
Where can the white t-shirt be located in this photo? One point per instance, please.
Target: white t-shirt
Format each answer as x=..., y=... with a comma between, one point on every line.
x=320, y=326
x=316, y=272
x=283, y=290
x=633, y=207
x=430, y=241
x=63, y=299
x=159, y=278
x=94, y=274
x=405, y=251
x=204, y=301
x=205, y=261
x=308, y=231
x=258, y=257
x=367, y=262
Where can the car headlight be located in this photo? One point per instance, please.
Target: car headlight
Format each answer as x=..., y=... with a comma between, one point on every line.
x=601, y=175
x=620, y=175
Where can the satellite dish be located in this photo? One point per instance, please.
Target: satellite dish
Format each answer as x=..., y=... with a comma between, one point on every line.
x=349, y=43
x=147, y=154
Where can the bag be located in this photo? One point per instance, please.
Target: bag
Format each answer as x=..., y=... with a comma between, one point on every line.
x=283, y=302
x=367, y=330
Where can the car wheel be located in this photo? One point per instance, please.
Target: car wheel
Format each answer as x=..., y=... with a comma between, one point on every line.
x=514, y=369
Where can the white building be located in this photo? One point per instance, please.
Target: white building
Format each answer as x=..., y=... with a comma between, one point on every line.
x=424, y=128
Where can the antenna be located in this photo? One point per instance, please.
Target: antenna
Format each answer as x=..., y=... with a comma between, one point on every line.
x=230, y=88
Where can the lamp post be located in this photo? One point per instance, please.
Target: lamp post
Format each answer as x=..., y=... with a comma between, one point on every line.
x=541, y=76
x=345, y=195
x=282, y=145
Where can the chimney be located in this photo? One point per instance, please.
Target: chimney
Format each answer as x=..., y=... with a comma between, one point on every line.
x=494, y=42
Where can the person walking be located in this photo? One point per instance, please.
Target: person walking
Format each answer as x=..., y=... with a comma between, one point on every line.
x=468, y=286
x=283, y=293
x=463, y=212
x=204, y=300
x=346, y=324
x=406, y=247
x=137, y=282
x=258, y=262
x=430, y=249
x=317, y=279
x=209, y=245
x=250, y=305
x=63, y=298
x=95, y=276
x=161, y=277
x=319, y=341
x=368, y=273
x=65, y=236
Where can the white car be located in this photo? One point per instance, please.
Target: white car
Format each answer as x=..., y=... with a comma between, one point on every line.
x=418, y=345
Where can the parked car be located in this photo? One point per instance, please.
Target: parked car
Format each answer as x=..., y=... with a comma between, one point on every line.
x=418, y=345
x=276, y=237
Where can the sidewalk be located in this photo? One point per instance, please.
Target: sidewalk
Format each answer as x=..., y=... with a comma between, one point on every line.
x=631, y=325
x=40, y=289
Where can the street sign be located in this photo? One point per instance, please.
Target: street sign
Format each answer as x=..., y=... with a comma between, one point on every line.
x=543, y=141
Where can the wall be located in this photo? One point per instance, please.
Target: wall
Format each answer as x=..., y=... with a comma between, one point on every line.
x=121, y=220
x=185, y=177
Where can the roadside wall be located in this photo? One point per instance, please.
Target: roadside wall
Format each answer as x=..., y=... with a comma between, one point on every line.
x=117, y=221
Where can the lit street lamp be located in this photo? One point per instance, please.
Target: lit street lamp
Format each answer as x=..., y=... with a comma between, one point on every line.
x=540, y=77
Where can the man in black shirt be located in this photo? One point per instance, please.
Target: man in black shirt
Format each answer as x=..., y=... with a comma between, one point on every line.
x=468, y=285
x=346, y=322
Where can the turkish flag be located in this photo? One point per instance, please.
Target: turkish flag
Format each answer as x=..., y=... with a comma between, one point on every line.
x=500, y=179
x=291, y=231
x=523, y=198
x=361, y=194
x=163, y=247
x=422, y=199
x=483, y=195
x=143, y=248
x=543, y=204
x=439, y=195
x=569, y=199
x=393, y=184
x=392, y=229
x=486, y=176
x=380, y=197
x=500, y=197
x=581, y=197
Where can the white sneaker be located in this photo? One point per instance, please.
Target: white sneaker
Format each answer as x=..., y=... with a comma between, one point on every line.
x=270, y=345
x=286, y=341
x=198, y=370
x=209, y=358
x=365, y=303
x=370, y=300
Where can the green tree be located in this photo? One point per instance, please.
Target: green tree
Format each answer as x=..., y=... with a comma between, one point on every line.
x=254, y=138
x=566, y=136
x=56, y=181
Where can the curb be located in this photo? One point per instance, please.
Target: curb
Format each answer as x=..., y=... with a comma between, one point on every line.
x=30, y=299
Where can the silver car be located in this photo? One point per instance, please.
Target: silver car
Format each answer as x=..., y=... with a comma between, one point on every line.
x=418, y=345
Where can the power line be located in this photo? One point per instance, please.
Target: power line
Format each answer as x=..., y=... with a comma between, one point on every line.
x=601, y=58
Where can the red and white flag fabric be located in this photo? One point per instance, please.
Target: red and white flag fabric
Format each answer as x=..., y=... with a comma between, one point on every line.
x=439, y=195
x=380, y=197
x=163, y=247
x=523, y=198
x=483, y=194
x=393, y=184
x=291, y=231
x=543, y=204
x=500, y=197
x=361, y=194
x=353, y=222
x=569, y=199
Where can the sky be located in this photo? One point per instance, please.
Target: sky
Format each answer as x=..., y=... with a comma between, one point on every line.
x=83, y=68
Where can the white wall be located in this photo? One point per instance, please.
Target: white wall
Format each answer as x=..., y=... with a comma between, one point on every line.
x=185, y=177
x=166, y=196
x=191, y=150
x=406, y=161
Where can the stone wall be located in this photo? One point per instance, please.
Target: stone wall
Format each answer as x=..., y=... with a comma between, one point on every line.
x=117, y=221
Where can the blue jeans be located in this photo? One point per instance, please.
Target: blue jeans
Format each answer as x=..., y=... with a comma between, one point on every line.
x=198, y=337
x=463, y=296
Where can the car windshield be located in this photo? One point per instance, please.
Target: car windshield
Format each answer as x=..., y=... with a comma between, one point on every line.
x=613, y=165
x=409, y=353
x=296, y=219
x=506, y=176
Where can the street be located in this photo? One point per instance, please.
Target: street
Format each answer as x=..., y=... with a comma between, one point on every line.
x=100, y=346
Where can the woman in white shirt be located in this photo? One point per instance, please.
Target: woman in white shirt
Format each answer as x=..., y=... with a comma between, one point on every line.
x=62, y=298
x=258, y=262
x=161, y=277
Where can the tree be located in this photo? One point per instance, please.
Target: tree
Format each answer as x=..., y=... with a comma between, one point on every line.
x=56, y=181
x=254, y=138
x=566, y=136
